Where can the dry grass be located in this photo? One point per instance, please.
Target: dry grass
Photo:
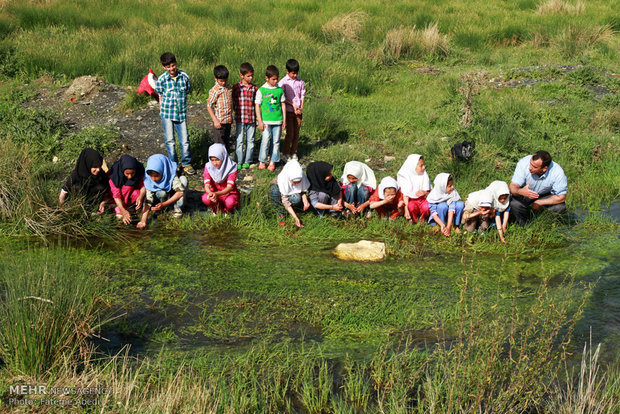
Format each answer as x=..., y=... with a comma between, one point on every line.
x=575, y=40
x=409, y=42
x=345, y=27
x=561, y=7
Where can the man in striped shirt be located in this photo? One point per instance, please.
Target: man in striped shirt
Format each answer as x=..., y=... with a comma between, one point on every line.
x=173, y=86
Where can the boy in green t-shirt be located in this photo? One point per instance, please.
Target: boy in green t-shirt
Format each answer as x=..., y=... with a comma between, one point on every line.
x=270, y=109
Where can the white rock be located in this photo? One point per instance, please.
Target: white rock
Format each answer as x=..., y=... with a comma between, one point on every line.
x=55, y=159
x=388, y=158
x=364, y=250
x=248, y=178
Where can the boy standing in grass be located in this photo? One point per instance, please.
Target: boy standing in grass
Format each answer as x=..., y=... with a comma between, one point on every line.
x=295, y=93
x=173, y=86
x=244, y=94
x=220, y=105
x=269, y=111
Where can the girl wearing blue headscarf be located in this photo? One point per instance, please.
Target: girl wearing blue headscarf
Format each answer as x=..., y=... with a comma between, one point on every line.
x=164, y=187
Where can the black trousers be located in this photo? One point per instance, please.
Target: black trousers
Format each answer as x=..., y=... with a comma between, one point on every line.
x=222, y=136
x=521, y=208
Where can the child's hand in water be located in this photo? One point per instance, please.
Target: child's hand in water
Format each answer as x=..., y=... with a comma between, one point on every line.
x=141, y=225
x=157, y=207
x=445, y=231
x=126, y=217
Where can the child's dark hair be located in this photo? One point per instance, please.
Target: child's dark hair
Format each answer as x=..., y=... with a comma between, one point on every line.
x=246, y=67
x=272, y=71
x=292, y=65
x=167, y=58
x=450, y=180
x=220, y=72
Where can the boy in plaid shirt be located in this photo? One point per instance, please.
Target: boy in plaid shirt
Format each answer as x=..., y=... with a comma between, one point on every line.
x=173, y=86
x=244, y=94
x=219, y=106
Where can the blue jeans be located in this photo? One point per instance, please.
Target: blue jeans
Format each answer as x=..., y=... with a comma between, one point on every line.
x=274, y=131
x=356, y=195
x=181, y=128
x=442, y=211
x=276, y=198
x=246, y=130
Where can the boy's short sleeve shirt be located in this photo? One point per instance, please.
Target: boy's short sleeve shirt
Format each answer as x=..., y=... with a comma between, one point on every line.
x=270, y=100
x=243, y=101
x=173, y=92
x=294, y=91
x=220, y=98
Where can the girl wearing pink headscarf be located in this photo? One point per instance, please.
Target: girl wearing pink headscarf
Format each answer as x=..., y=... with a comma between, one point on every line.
x=219, y=176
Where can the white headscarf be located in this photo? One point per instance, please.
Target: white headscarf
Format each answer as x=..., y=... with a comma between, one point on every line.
x=228, y=166
x=499, y=188
x=363, y=173
x=410, y=181
x=438, y=193
x=292, y=171
x=482, y=198
x=387, y=182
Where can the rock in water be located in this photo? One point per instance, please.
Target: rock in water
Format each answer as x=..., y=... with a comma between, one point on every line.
x=364, y=251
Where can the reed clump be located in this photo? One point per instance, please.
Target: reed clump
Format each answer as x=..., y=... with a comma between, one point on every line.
x=561, y=7
x=346, y=27
x=414, y=43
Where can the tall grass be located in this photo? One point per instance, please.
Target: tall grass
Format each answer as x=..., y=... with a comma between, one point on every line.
x=415, y=43
x=561, y=6
x=345, y=27
x=49, y=308
x=493, y=362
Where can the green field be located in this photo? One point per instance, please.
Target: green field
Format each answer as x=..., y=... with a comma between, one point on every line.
x=239, y=315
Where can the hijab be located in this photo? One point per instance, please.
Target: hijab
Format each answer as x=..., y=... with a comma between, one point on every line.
x=499, y=188
x=387, y=182
x=410, y=181
x=363, y=173
x=316, y=172
x=82, y=180
x=117, y=172
x=438, y=193
x=162, y=165
x=292, y=171
x=482, y=198
x=228, y=166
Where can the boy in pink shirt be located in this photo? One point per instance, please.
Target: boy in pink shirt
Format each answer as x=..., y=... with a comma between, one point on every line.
x=295, y=93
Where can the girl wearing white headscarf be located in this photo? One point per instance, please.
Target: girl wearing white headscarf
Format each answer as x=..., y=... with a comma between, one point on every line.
x=445, y=204
x=501, y=204
x=288, y=191
x=387, y=200
x=219, y=178
x=415, y=185
x=358, y=183
x=478, y=210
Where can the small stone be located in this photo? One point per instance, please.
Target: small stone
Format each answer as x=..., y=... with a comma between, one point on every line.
x=252, y=166
x=388, y=158
x=248, y=178
x=364, y=250
x=368, y=160
x=55, y=159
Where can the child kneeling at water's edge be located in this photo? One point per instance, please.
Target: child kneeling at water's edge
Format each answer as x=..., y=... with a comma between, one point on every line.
x=219, y=179
x=288, y=192
x=164, y=187
x=445, y=204
x=387, y=200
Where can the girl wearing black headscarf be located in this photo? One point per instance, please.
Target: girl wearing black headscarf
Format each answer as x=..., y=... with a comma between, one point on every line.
x=87, y=179
x=325, y=192
x=127, y=185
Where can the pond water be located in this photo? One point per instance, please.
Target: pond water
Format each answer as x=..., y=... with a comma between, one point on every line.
x=203, y=291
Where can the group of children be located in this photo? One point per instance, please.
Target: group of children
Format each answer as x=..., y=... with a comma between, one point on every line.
x=410, y=195
x=276, y=105
x=161, y=184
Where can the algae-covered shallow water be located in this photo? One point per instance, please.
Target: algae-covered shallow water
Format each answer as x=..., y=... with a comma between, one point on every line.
x=193, y=292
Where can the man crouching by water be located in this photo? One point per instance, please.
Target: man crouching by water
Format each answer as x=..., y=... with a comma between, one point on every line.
x=537, y=182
